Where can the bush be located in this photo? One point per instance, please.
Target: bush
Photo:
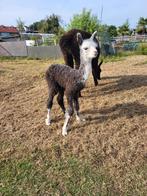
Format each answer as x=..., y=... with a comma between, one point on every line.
x=142, y=48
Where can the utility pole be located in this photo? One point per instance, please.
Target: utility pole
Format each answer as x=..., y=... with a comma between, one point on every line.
x=101, y=18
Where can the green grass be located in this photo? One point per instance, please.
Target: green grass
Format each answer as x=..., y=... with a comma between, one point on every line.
x=121, y=55
x=40, y=175
x=5, y=58
x=113, y=58
x=13, y=58
x=106, y=58
x=142, y=49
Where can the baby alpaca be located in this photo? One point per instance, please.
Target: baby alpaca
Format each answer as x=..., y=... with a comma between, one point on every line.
x=62, y=79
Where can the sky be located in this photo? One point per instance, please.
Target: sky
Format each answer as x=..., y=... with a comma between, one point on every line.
x=115, y=12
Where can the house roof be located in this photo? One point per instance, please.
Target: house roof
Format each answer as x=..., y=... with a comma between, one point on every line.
x=8, y=29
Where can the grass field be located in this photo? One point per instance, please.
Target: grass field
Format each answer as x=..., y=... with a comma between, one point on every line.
x=105, y=155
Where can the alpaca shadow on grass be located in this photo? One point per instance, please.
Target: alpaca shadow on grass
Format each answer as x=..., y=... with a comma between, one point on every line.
x=97, y=116
x=117, y=84
x=128, y=110
x=123, y=83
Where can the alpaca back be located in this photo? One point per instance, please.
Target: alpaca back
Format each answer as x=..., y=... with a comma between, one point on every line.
x=63, y=75
x=69, y=40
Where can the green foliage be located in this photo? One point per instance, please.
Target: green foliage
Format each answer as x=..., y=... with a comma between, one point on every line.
x=55, y=177
x=38, y=174
x=142, y=26
x=84, y=21
x=112, y=30
x=142, y=49
x=20, y=24
x=49, y=25
x=53, y=24
x=124, y=29
x=61, y=31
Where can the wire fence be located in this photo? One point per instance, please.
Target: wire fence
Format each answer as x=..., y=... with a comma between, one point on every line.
x=109, y=46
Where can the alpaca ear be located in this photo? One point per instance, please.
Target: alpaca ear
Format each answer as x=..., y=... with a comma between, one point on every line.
x=79, y=38
x=93, y=36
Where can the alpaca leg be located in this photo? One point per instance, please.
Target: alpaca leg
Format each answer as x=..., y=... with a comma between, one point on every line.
x=76, y=107
x=65, y=126
x=49, y=107
x=76, y=56
x=77, y=61
x=94, y=77
x=77, y=64
x=68, y=115
x=61, y=101
x=48, y=120
x=68, y=59
x=95, y=71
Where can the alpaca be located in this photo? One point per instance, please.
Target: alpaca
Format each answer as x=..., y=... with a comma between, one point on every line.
x=62, y=79
x=70, y=49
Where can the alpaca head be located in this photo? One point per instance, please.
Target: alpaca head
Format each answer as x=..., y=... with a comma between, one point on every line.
x=88, y=47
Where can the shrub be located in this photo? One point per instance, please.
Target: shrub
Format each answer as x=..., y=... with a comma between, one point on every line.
x=142, y=48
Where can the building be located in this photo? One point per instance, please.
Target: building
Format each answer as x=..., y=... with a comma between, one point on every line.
x=9, y=33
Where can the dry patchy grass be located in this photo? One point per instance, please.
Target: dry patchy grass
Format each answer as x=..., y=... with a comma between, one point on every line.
x=113, y=139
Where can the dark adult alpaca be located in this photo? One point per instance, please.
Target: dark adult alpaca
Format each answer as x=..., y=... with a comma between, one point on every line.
x=71, y=52
x=62, y=79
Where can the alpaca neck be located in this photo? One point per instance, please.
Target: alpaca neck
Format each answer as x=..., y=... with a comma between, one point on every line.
x=85, y=68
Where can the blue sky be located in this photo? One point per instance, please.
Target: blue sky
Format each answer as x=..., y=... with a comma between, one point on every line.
x=114, y=11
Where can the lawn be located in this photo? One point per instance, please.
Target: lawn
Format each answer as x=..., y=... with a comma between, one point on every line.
x=105, y=155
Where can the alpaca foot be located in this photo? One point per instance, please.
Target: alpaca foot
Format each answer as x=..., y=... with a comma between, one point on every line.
x=66, y=123
x=47, y=121
x=64, y=131
x=79, y=119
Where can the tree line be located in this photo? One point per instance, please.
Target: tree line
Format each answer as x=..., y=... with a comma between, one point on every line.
x=85, y=21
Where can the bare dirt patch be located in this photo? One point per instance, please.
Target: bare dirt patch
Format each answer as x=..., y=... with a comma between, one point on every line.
x=114, y=135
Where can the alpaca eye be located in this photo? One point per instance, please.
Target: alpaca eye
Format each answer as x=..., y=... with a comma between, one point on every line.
x=85, y=48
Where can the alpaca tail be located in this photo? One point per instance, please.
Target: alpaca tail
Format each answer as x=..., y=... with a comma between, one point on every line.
x=47, y=74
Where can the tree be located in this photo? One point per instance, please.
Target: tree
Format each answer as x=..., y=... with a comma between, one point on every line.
x=124, y=29
x=49, y=25
x=20, y=24
x=84, y=21
x=61, y=31
x=112, y=30
x=53, y=23
x=34, y=26
x=142, y=26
